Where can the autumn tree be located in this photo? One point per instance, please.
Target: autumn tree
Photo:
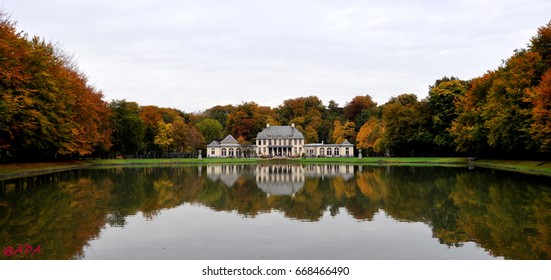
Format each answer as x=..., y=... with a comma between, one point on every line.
x=540, y=129
x=47, y=108
x=370, y=135
x=187, y=138
x=307, y=115
x=360, y=109
x=248, y=119
x=343, y=132
x=164, y=136
x=151, y=116
x=468, y=129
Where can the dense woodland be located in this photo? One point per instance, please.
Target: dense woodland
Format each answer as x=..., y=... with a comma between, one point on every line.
x=48, y=110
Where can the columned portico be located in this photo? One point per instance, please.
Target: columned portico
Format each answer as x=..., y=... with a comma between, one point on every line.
x=280, y=141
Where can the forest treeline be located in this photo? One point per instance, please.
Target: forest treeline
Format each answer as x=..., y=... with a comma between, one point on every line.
x=49, y=110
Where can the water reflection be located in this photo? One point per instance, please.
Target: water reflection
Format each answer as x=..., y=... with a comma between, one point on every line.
x=506, y=214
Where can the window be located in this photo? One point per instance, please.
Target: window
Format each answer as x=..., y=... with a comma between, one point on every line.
x=337, y=152
x=329, y=152
x=212, y=151
x=231, y=152
x=223, y=152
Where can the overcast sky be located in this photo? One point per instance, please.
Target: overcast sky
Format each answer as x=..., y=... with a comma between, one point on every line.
x=192, y=55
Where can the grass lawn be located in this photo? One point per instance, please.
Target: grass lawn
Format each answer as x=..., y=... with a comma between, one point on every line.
x=526, y=166
x=24, y=169
x=38, y=167
x=169, y=161
x=389, y=160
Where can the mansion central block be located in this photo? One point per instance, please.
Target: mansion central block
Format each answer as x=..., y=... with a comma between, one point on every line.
x=278, y=141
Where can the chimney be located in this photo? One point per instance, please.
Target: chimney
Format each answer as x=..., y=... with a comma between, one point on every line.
x=293, y=125
x=267, y=125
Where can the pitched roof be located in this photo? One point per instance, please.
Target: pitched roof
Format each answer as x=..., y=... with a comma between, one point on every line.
x=229, y=140
x=345, y=142
x=273, y=132
x=214, y=143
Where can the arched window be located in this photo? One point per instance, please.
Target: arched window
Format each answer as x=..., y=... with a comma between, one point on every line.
x=224, y=152
x=329, y=152
x=231, y=152
x=322, y=152
x=337, y=152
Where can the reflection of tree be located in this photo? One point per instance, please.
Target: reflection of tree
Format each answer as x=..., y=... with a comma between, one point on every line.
x=60, y=212
x=486, y=206
x=504, y=214
x=458, y=205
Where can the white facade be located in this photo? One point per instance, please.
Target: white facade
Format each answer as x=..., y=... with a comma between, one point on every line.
x=279, y=141
x=229, y=147
x=344, y=149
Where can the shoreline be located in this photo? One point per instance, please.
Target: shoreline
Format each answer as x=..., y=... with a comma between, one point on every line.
x=17, y=170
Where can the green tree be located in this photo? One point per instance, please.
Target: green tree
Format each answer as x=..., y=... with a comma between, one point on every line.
x=128, y=127
x=211, y=129
x=407, y=123
x=442, y=98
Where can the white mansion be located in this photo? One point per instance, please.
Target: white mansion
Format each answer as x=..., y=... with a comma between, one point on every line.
x=279, y=141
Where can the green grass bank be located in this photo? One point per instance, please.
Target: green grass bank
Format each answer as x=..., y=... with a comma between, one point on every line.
x=26, y=169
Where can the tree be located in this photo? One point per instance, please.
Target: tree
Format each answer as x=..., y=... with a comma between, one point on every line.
x=221, y=113
x=468, y=130
x=343, y=132
x=164, y=137
x=370, y=135
x=442, y=98
x=187, y=138
x=299, y=107
x=541, y=44
x=248, y=119
x=47, y=107
x=540, y=128
x=211, y=129
x=151, y=116
x=508, y=109
x=407, y=123
x=360, y=109
x=128, y=127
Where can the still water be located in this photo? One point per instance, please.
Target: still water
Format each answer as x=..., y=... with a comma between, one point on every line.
x=276, y=211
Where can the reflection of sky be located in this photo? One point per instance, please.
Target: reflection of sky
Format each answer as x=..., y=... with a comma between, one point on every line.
x=196, y=232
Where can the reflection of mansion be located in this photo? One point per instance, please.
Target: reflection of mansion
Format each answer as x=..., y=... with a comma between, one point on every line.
x=279, y=141
x=278, y=179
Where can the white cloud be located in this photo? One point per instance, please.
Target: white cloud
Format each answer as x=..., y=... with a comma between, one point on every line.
x=193, y=55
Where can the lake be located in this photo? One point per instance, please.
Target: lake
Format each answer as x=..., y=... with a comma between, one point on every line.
x=276, y=211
